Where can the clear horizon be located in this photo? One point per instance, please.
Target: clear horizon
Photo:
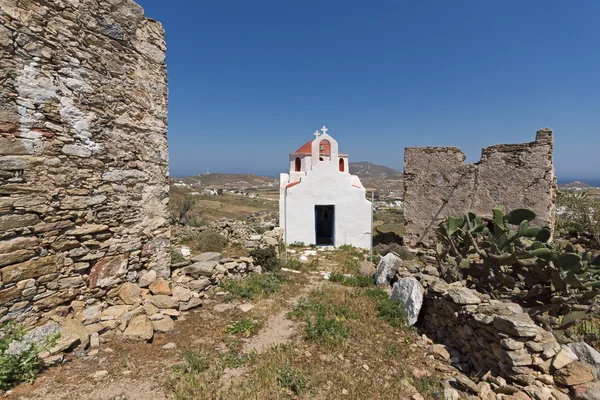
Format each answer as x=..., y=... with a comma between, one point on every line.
x=250, y=82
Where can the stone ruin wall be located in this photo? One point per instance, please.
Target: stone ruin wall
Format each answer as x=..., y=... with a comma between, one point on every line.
x=438, y=183
x=83, y=152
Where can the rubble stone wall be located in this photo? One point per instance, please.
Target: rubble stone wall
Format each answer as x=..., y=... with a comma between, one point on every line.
x=83, y=152
x=438, y=183
x=493, y=335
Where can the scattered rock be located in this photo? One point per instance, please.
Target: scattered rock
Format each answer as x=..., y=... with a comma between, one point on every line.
x=165, y=324
x=99, y=374
x=169, y=346
x=245, y=307
x=147, y=278
x=387, y=268
x=193, y=303
x=564, y=357
x=588, y=391
x=181, y=293
x=129, y=293
x=163, y=301
x=140, y=328
x=94, y=339
x=585, y=353
x=463, y=296
x=366, y=268
x=575, y=373
x=409, y=292
x=160, y=286
x=36, y=337
x=440, y=352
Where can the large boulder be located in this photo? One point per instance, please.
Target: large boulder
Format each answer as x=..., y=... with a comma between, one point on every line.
x=387, y=268
x=409, y=292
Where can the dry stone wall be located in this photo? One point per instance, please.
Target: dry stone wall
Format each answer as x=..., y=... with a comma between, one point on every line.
x=438, y=183
x=83, y=152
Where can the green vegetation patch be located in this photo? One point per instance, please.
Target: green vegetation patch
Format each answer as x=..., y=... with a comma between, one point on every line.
x=255, y=285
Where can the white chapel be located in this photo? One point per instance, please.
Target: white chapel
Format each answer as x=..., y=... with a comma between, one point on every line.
x=319, y=201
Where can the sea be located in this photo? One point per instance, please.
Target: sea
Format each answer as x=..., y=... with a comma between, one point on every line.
x=595, y=182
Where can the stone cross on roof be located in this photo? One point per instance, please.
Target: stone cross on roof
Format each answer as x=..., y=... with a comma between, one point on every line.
x=324, y=130
x=317, y=133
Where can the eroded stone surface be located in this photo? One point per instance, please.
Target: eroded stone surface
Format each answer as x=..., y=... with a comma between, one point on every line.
x=438, y=183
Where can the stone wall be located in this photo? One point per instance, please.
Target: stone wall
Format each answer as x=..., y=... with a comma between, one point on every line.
x=438, y=183
x=83, y=152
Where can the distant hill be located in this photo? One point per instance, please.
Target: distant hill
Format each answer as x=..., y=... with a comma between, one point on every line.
x=229, y=181
x=575, y=185
x=366, y=170
x=371, y=175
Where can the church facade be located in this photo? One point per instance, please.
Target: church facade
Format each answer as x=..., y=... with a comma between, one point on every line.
x=320, y=202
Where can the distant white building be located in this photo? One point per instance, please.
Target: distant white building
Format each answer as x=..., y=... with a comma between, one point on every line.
x=319, y=201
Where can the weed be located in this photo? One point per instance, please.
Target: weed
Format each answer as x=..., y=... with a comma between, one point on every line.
x=245, y=327
x=297, y=244
x=292, y=263
x=193, y=363
x=22, y=367
x=265, y=284
x=291, y=379
x=355, y=281
x=337, y=277
x=390, y=311
x=266, y=258
x=326, y=328
x=589, y=330
x=176, y=256
x=233, y=360
x=205, y=241
x=428, y=385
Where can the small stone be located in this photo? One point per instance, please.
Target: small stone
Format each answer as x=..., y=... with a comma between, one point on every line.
x=181, y=293
x=169, y=346
x=209, y=256
x=564, y=357
x=147, y=278
x=417, y=396
x=140, y=328
x=588, y=391
x=466, y=384
x=463, y=296
x=99, y=374
x=344, y=392
x=585, y=353
x=245, y=307
x=163, y=301
x=440, y=352
x=95, y=339
x=129, y=293
x=165, y=324
x=160, y=286
x=193, y=303
x=575, y=373
x=365, y=367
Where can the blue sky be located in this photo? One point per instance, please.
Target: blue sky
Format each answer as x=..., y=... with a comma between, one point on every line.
x=249, y=81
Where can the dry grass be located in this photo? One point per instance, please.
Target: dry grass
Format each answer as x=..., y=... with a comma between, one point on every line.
x=372, y=360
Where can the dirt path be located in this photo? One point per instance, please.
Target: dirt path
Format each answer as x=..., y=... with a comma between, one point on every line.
x=141, y=371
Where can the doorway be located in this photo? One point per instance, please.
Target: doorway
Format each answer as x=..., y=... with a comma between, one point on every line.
x=324, y=224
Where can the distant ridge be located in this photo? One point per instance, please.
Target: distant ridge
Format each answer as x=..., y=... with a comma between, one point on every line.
x=367, y=170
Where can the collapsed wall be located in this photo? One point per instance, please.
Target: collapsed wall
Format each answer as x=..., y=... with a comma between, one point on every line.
x=83, y=152
x=438, y=183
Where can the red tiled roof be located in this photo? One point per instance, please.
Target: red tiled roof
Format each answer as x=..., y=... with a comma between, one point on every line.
x=307, y=148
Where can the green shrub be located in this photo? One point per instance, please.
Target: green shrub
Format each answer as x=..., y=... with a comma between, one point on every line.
x=291, y=379
x=205, y=241
x=253, y=286
x=266, y=258
x=23, y=367
x=321, y=327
